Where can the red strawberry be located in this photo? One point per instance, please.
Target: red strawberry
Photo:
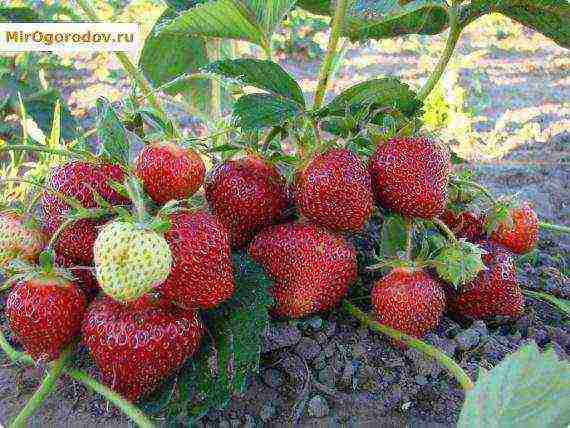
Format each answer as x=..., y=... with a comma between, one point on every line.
x=464, y=224
x=334, y=191
x=45, y=314
x=202, y=272
x=169, y=172
x=78, y=180
x=312, y=267
x=409, y=300
x=493, y=250
x=246, y=195
x=410, y=176
x=494, y=292
x=136, y=347
x=85, y=278
x=520, y=234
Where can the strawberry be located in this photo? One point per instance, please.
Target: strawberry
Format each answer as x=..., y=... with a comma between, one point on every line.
x=409, y=300
x=136, y=346
x=169, y=172
x=464, y=224
x=334, y=191
x=494, y=292
x=78, y=180
x=20, y=238
x=202, y=272
x=312, y=267
x=45, y=314
x=246, y=195
x=84, y=276
x=517, y=229
x=492, y=250
x=130, y=260
x=410, y=176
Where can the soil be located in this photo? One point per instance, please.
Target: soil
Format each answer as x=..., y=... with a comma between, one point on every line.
x=327, y=370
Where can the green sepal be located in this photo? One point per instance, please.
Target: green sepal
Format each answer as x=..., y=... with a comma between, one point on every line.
x=460, y=263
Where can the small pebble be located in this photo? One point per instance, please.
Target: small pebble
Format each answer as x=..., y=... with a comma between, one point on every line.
x=467, y=339
x=480, y=327
x=318, y=407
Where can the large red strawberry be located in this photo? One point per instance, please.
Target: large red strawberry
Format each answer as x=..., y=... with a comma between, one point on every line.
x=78, y=180
x=312, y=267
x=334, y=191
x=246, y=195
x=410, y=176
x=409, y=300
x=518, y=231
x=169, y=172
x=494, y=292
x=136, y=347
x=464, y=224
x=45, y=314
x=202, y=274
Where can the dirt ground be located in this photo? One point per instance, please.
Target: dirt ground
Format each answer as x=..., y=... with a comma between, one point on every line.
x=327, y=370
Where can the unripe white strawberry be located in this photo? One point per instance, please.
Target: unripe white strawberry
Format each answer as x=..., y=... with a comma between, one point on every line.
x=130, y=260
x=19, y=239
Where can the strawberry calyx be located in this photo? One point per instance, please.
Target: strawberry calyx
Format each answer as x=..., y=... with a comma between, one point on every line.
x=500, y=214
x=459, y=263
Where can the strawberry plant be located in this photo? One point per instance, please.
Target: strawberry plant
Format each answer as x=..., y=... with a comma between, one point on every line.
x=187, y=280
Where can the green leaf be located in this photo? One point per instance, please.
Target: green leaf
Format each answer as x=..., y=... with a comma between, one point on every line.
x=459, y=264
x=382, y=19
x=41, y=106
x=266, y=75
x=270, y=13
x=18, y=14
x=169, y=55
x=385, y=94
x=549, y=17
x=233, y=351
x=527, y=389
x=257, y=111
x=114, y=144
x=230, y=19
x=180, y=5
x=394, y=236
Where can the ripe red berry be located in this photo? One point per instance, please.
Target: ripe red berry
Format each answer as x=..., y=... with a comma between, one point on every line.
x=312, y=267
x=246, y=195
x=84, y=276
x=520, y=233
x=136, y=347
x=334, y=191
x=78, y=180
x=202, y=272
x=409, y=300
x=464, y=224
x=494, y=292
x=169, y=172
x=410, y=176
x=45, y=314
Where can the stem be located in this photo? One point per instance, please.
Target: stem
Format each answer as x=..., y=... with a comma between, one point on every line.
x=409, y=232
x=481, y=188
x=431, y=351
x=324, y=75
x=135, y=414
x=454, y=33
x=47, y=386
x=15, y=356
x=127, y=64
x=554, y=227
x=214, y=54
x=446, y=230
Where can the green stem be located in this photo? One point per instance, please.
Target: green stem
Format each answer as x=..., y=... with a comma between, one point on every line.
x=445, y=229
x=554, y=227
x=15, y=356
x=325, y=72
x=454, y=34
x=431, y=351
x=135, y=414
x=125, y=61
x=47, y=386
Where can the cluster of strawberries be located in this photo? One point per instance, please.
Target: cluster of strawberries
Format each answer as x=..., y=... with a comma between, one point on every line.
x=150, y=274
